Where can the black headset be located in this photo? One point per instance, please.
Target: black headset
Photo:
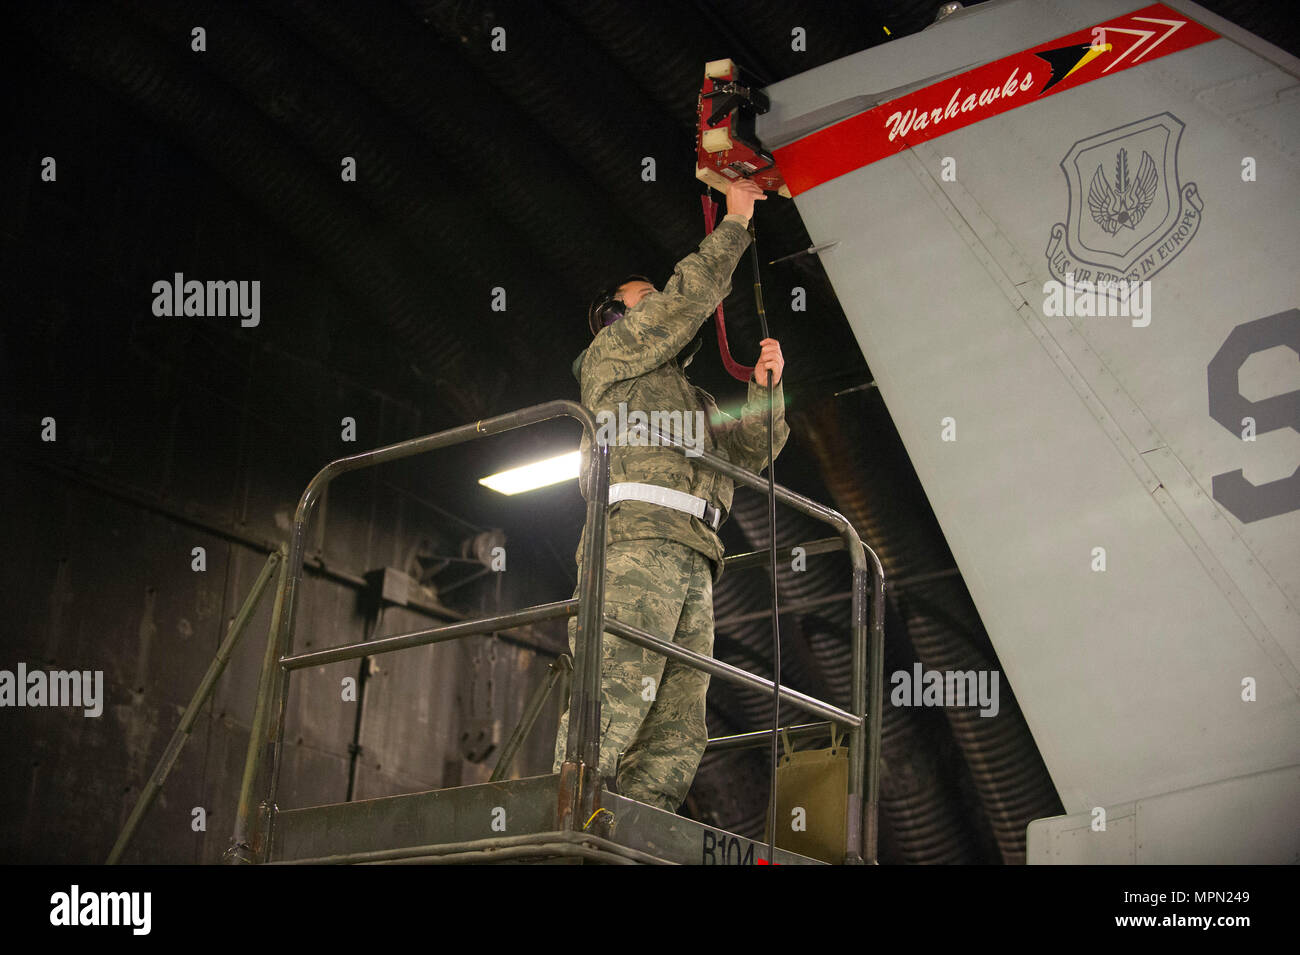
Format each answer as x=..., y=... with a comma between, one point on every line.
x=605, y=308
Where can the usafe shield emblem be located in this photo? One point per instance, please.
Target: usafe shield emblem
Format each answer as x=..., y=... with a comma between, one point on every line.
x=1128, y=217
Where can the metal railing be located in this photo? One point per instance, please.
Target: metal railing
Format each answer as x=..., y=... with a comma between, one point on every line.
x=579, y=783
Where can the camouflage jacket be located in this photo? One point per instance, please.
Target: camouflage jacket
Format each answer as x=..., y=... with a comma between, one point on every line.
x=638, y=363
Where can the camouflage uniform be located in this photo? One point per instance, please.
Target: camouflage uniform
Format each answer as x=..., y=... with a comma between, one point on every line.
x=661, y=563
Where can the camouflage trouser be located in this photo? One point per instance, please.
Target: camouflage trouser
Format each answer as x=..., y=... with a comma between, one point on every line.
x=652, y=708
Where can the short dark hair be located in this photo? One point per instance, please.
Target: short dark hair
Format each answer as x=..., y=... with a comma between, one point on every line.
x=598, y=315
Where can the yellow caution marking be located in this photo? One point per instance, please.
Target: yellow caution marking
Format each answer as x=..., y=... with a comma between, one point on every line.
x=1091, y=55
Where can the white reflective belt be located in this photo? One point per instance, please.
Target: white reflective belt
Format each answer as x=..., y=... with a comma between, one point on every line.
x=666, y=496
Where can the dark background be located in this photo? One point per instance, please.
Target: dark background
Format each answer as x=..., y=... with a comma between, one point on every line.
x=476, y=170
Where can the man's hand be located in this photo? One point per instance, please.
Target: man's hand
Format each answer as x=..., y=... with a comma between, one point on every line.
x=770, y=357
x=741, y=196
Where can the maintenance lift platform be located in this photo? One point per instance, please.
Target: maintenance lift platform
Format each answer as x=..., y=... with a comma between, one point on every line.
x=567, y=817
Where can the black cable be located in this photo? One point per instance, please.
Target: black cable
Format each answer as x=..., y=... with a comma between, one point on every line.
x=771, y=533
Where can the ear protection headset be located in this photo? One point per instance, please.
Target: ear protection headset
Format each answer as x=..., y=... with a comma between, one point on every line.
x=605, y=308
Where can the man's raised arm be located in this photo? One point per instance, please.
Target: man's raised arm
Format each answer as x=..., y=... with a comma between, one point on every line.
x=662, y=323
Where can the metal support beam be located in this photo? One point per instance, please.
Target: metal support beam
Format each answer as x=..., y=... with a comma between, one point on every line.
x=499, y=849
x=760, y=558
x=728, y=672
x=562, y=666
x=242, y=849
x=802, y=731
x=580, y=772
x=419, y=638
x=191, y=714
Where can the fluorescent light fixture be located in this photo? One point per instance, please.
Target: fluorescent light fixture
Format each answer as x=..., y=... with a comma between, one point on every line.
x=529, y=477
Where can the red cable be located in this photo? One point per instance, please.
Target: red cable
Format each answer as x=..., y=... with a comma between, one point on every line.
x=734, y=368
